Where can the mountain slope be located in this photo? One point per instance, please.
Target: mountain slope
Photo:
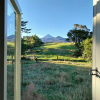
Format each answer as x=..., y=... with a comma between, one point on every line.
x=49, y=38
x=11, y=38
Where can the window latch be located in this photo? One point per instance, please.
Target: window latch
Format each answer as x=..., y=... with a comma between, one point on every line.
x=96, y=72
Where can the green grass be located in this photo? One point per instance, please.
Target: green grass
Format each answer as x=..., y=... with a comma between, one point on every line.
x=10, y=82
x=10, y=71
x=10, y=51
x=10, y=45
x=50, y=79
x=58, y=81
x=64, y=79
x=50, y=51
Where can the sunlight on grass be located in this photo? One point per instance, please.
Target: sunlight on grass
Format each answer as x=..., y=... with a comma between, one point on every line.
x=10, y=44
x=59, y=46
x=57, y=75
x=56, y=81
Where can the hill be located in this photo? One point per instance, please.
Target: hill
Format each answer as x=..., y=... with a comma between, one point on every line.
x=49, y=38
x=11, y=38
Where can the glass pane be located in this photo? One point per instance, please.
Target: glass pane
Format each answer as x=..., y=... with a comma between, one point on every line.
x=10, y=51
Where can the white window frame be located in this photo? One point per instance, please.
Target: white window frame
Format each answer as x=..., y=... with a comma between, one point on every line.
x=3, y=50
x=17, y=70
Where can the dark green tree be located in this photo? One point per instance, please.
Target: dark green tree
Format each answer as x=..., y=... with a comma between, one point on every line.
x=82, y=27
x=23, y=27
x=78, y=34
x=33, y=41
x=24, y=30
x=23, y=46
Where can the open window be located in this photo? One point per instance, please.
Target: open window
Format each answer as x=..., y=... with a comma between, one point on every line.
x=10, y=51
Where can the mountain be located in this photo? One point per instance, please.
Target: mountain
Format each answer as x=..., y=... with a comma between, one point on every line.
x=49, y=38
x=11, y=38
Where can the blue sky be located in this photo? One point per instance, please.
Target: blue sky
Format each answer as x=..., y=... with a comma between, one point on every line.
x=56, y=17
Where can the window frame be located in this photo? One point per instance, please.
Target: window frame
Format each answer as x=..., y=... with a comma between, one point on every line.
x=3, y=50
x=17, y=70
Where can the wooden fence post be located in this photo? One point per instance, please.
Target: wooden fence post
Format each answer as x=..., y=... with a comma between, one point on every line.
x=57, y=57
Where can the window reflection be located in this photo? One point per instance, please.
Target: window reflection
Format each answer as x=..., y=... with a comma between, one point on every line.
x=10, y=51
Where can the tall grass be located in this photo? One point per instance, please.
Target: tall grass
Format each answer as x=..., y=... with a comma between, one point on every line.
x=58, y=82
x=10, y=82
x=65, y=78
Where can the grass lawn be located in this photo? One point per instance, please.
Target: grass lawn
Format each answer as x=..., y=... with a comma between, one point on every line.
x=56, y=81
x=10, y=71
x=65, y=78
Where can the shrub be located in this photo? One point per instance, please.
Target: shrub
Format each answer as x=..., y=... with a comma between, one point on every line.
x=87, y=49
x=30, y=42
x=77, y=53
x=24, y=58
x=33, y=41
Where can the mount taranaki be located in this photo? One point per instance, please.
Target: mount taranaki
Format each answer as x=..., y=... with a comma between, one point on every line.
x=49, y=38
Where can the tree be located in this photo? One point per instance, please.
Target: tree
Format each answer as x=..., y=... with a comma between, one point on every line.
x=23, y=46
x=78, y=34
x=32, y=41
x=82, y=27
x=24, y=30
